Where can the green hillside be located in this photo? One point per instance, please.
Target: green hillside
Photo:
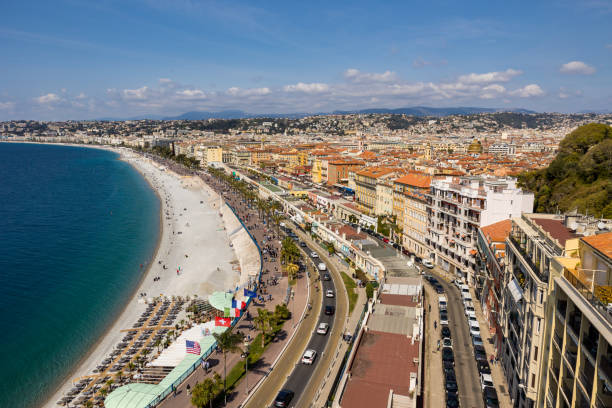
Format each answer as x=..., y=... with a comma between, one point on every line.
x=580, y=177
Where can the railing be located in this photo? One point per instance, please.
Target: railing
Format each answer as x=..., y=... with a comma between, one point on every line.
x=525, y=258
x=208, y=352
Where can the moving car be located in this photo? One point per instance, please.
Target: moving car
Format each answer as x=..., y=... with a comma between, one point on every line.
x=330, y=310
x=329, y=293
x=427, y=263
x=322, y=267
x=303, y=244
x=283, y=398
x=313, y=254
x=323, y=328
x=326, y=277
x=309, y=357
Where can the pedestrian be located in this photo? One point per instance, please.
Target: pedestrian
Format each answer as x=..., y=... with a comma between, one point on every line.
x=435, y=324
x=188, y=389
x=438, y=345
x=430, y=307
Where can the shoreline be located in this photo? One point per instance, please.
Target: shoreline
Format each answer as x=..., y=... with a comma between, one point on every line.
x=133, y=295
x=133, y=306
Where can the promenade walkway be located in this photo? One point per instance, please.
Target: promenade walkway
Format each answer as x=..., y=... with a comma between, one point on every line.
x=269, y=239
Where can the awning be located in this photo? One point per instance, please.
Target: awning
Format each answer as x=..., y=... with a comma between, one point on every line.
x=515, y=290
x=473, y=252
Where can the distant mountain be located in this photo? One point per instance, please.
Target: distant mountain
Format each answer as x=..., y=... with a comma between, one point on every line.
x=413, y=111
x=580, y=177
x=429, y=111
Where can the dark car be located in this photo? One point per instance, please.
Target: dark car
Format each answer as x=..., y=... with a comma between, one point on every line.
x=283, y=398
x=447, y=354
x=439, y=288
x=480, y=354
x=449, y=370
x=326, y=277
x=450, y=375
x=451, y=386
x=483, y=367
x=451, y=400
x=330, y=310
x=446, y=332
x=448, y=365
x=489, y=396
x=303, y=244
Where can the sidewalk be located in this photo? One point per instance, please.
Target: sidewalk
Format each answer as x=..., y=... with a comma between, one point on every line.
x=433, y=384
x=497, y=373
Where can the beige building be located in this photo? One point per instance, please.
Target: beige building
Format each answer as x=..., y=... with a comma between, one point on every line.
x=410, y=198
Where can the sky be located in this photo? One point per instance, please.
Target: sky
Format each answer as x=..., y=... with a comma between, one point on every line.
x=76, y=59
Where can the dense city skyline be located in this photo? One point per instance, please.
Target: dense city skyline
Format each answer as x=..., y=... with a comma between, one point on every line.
x=75, y=60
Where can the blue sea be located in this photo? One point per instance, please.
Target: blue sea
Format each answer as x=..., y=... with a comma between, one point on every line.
x=75, y=225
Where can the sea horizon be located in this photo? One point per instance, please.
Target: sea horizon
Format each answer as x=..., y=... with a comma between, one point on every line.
x=77, y=225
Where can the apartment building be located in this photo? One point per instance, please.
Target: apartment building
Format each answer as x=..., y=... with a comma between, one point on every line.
x=576, y=370
x=458, y=206
x=410, y=199
x=491, y=263
x=337, y=170
x=384, y=197
x=535, y=241
x=365, y=182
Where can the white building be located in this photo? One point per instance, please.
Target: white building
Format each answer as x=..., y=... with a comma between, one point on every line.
x=458, y=206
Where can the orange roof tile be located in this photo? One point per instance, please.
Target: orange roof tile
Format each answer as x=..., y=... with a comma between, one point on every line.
x=601, y=242
x=497, y=232
x=415, y=179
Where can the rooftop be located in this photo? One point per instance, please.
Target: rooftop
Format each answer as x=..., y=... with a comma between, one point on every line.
x=601, y=242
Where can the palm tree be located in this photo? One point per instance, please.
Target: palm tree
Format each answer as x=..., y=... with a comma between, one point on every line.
x=276, y=218
x=131, y=366
x=228, y=342
x=263, y=322
x=292, y=270
x=205, y=392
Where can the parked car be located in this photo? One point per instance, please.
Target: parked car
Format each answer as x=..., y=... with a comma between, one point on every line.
x=323, y=328
x=309, y=357
x=452, y=401
x=427, y=263
x=486, y=381
x=475, y=329
x=329, y=293
x=480, y=354
x=477, y=340
x=446, y=332
x=451, y=386
x=283, y=398
x=483, y=367
x=489, y=397
x=443, y=317
x=446, y=342
x=472, y=319
x=330, y=310
x=447, y=355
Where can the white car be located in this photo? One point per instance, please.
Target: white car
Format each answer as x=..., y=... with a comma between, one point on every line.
x=309, y=357
x=474, y=329
x=486, y=380
x=472, y=319
x=329, y=293
x=323, y=328
x=313, y=254
x=427, y=263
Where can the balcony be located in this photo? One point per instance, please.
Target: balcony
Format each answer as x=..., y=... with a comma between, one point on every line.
x=558, y=340
x=525, y=258
x=571, y=358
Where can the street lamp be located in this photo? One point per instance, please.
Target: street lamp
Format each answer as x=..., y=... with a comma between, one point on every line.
x=246, y=366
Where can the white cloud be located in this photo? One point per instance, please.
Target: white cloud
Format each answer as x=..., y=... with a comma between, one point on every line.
x=577, y=67
x=138, y=94
x=354, y=75
x=7, y=105
x=566, y=93
x=235, y=91
x=191, y=94
x=306, y=88
x=81, y=96
x=165, y=80
x=490, y=77
x=48, y=99
x=492, y=91
x=528, y=91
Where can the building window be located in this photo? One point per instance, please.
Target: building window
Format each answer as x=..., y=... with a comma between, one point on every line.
x=532, y=380
x=535, y=354
x=538, y=322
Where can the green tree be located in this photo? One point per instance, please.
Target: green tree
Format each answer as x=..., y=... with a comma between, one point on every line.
x=204, y=393
x=369, y=290
x=263, y=322
x=228, y=342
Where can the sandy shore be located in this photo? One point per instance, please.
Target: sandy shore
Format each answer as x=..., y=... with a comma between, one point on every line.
x=212, y=251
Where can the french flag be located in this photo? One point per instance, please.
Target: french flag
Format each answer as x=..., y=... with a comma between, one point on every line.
x=238, y=304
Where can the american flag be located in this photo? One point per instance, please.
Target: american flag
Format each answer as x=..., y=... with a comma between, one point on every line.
x=193, y=347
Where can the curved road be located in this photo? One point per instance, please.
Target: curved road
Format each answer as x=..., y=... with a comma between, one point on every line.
x=470, y=393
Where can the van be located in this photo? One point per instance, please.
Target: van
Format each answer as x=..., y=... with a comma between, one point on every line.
x=322, y=267
x=442, y=302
